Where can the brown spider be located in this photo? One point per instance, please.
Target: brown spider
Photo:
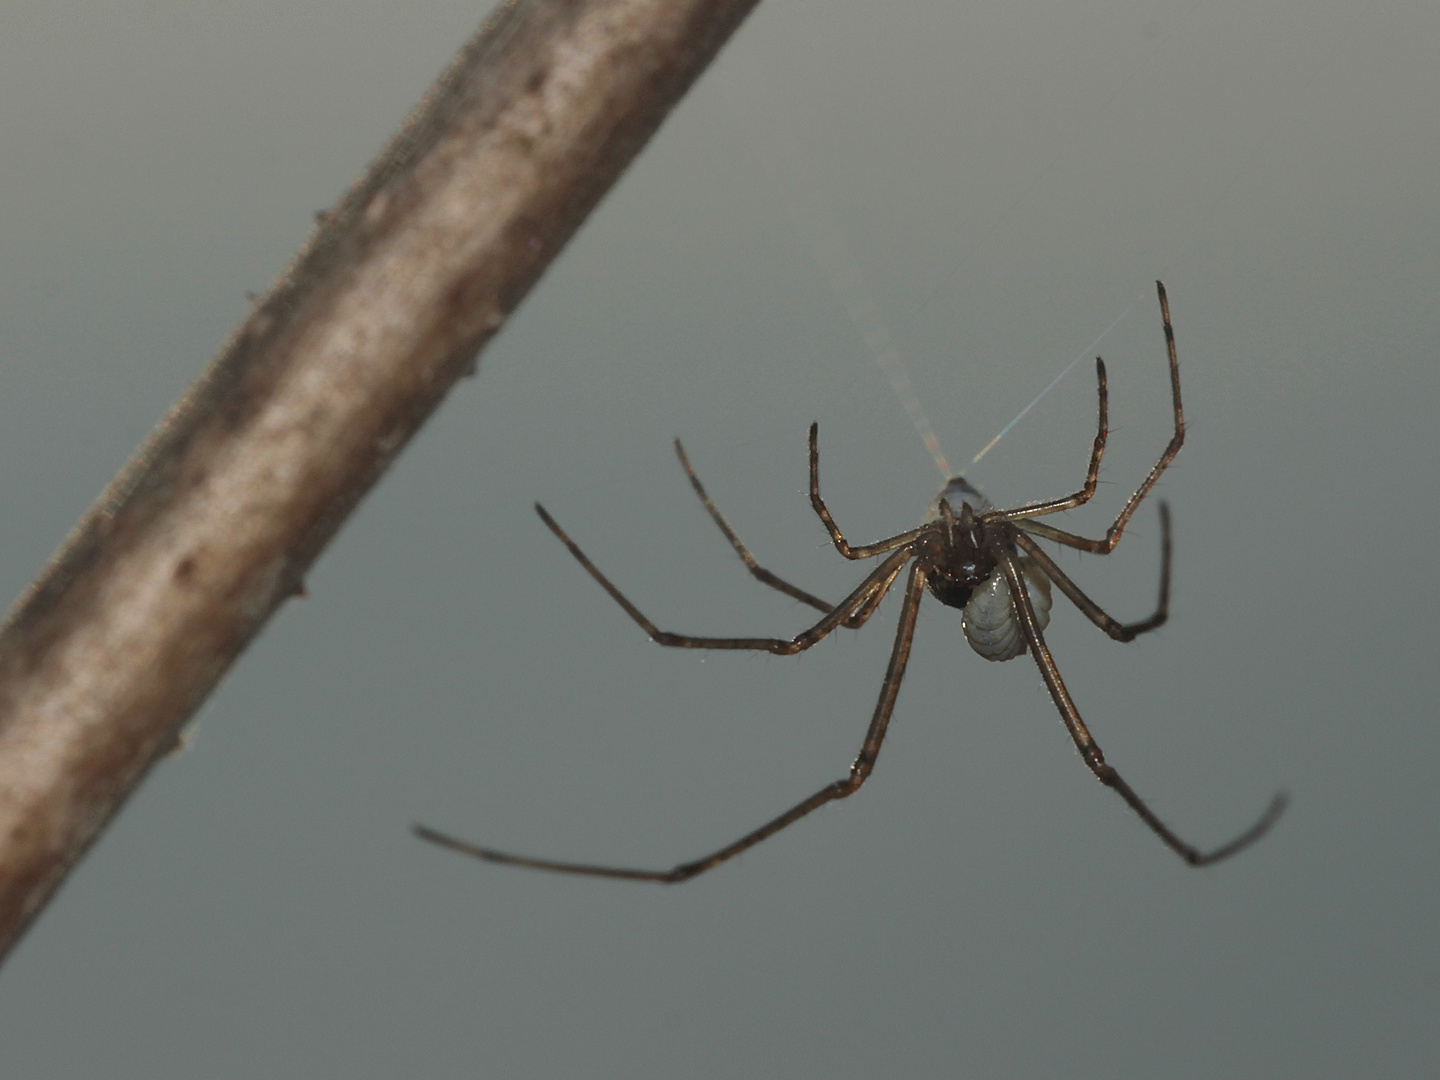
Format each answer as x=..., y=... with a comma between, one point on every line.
x=977, y=558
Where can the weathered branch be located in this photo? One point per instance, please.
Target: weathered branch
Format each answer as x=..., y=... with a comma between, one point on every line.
x=216, y=519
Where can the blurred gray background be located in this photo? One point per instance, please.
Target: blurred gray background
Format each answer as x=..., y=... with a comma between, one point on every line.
x=1006, y=180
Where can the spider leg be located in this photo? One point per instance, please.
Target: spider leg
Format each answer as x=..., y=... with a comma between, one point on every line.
x=1090, y=749
x=864, y=551
x=1092, y=473
x=1091, y=610
x=862, y=613
x=1117, y=527
x=853, y=610
x=756, y=570
x=1060, y=536
x=861, y=768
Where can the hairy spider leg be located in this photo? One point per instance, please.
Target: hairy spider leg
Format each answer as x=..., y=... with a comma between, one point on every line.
x=1177, y=440
x=756, y=570
x=863, y=765
x=1092, y=472
x=857, y=602
x=853, y=621
x=837, y=538
x=1093, y=611
x=1090, y=751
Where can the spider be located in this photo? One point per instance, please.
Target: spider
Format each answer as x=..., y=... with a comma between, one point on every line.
x=971, y=556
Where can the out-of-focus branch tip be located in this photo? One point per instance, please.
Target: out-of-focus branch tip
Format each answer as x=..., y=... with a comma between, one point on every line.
x=214, y=522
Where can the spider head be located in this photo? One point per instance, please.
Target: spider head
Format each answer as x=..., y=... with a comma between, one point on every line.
x=959, y=559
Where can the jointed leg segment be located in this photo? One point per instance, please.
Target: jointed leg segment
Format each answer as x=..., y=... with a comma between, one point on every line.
x=756, y=570
x=853, y=610
x=865, y=551
x=1090, y=751
x=1092, y=472
x=840, y=789
x=1117, y=527
x=1091, y=610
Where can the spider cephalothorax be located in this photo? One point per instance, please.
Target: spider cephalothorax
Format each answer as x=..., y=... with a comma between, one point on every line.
x=957, y=554
x=969, y=555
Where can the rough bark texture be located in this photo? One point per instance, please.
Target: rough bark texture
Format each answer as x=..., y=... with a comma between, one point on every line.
x=216, y=519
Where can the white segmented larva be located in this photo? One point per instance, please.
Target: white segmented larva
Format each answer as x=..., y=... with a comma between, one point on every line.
x=989, y=618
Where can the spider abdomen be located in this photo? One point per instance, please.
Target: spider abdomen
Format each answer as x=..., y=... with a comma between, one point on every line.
x=989, y=621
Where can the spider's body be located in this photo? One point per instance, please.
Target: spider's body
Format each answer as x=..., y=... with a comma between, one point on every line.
x=959, y=554
x=963, y=571
x=969, y=555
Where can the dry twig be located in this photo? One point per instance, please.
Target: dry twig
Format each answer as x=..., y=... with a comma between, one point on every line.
x=213, y=523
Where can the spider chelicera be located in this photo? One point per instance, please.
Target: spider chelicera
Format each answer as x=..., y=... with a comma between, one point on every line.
x=970, y=556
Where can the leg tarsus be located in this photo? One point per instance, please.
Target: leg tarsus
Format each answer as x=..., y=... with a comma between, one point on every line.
x=1192, y=855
